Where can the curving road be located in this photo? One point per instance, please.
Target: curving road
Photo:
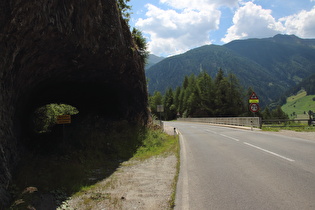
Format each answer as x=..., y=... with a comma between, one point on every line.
x=226, y=168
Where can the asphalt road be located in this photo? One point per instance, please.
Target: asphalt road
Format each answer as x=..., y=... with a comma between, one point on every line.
x=225, y=168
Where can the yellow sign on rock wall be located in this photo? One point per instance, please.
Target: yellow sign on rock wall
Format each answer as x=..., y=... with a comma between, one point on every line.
x=63, y=119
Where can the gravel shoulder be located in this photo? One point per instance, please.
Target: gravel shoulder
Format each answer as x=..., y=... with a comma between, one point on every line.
x=136, y=184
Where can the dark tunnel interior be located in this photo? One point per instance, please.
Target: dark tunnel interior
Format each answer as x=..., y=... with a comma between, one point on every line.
x=106, y=101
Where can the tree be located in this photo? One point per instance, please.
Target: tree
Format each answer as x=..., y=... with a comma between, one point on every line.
x=219, y=77
x=155, y=100
x=186, y=82
x=205, y=86
x=169, y=107
x=222, y=97
x=279, y=114
x=44, y=118
x=141, y=44
x=235, y=96
x=124, y=8
x=266, y=114
x=191, y=97
x=177, y=98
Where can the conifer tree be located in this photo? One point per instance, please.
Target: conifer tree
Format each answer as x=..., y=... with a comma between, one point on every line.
x=267, y=114
x=205, y=87
x=169, y=107
x=235, y=97
x=155, y=100
x=177, y=98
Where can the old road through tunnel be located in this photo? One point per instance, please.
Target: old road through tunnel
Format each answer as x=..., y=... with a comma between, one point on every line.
x=79, y=53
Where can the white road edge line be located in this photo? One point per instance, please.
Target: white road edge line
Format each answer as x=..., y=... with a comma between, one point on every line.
x=229, y=137
x=272, y=153
x=185, y=189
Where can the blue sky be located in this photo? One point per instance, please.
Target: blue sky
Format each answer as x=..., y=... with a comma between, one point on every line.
x=175, y=26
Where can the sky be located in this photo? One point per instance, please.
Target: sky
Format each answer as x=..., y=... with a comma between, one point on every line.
x=175, y=26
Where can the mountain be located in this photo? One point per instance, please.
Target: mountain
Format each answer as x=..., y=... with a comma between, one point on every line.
x=288, y=57
x=271, y=65
x=152, y=59
x=308, y=84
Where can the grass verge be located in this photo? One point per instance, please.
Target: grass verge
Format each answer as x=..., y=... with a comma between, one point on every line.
x=292, y=127
x=156, y=143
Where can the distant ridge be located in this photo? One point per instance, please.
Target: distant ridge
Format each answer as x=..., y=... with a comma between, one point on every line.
x=152, y=59
x=270, y=65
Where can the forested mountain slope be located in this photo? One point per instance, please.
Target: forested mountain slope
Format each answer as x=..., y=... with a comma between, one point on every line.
x=151, y=60
x=271, y=66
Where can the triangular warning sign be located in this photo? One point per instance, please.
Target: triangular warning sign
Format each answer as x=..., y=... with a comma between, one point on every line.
x=253, y=96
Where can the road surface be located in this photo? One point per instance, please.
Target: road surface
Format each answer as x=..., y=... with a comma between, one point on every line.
x=227, y=168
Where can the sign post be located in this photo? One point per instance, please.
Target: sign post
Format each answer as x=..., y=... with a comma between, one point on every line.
x=63, y=119
x=253, y=103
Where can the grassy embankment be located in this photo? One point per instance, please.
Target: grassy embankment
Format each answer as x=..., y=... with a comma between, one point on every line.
x=296, y=108
x=66, y=174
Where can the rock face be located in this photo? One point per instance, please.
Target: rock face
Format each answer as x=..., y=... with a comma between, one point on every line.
x=75, y=52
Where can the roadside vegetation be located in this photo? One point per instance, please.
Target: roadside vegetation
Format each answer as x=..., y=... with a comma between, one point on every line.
x=299, y=127
x=156, y=143
x=56, y=176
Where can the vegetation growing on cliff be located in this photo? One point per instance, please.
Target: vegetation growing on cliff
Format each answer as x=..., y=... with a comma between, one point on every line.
x=137, y=36
x=124, y=9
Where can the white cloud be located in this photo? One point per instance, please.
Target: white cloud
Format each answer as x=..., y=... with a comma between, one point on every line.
x=187, y=24
x=173, y=32
x=199, y=4
x=301, y=24
x=252, y=21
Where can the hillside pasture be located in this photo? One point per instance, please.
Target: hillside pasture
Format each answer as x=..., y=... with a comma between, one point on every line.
x=297, y=106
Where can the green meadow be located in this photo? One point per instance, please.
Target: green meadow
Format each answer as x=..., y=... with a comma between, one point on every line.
x=297, y=106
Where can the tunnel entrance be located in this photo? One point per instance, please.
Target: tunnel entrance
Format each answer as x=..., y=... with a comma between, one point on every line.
x=45, y=134
x=44, y=118
x=92, y=106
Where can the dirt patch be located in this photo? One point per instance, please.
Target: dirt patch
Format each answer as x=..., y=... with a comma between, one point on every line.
x=135, y=185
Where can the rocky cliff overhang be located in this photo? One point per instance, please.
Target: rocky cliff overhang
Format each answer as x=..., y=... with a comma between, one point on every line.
x=75, y=52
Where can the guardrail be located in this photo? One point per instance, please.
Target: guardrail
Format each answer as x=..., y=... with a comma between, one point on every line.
x=237, y=121
x=287, y=122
